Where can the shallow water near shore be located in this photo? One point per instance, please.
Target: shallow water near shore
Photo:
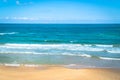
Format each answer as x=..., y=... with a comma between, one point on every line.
x=88, y=45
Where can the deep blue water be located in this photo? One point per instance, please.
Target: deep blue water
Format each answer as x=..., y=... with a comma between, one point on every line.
x=60, y=33
x=84, y=44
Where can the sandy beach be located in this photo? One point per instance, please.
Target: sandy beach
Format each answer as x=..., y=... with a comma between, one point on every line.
x=57, y=73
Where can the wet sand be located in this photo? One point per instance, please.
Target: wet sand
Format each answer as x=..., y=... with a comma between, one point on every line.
x=57, y=73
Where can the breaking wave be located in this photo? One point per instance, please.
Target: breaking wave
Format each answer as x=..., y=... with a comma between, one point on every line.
x=63, y=47
x=9, y=33
x=81, y=50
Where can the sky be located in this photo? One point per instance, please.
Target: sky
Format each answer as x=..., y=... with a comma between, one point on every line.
x=59, y=11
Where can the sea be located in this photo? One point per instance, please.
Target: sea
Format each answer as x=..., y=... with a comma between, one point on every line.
x=87, y=45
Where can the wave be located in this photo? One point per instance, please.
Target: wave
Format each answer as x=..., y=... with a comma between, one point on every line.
x=73, y=66
x=8, y=33
x=49, y=53
x=12, y=65
x=18, y=65
x=71, y=47
x=114, y=51
x=77, y=50
x=104, y=45
x=79, y=47
x=82, y=50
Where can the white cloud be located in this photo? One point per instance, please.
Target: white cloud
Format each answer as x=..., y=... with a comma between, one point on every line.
x=27, y=3
x=6, y=17
x=23, y=3
x=30, y=3
x=22, y=18
x=4, y=0
x=18, y=2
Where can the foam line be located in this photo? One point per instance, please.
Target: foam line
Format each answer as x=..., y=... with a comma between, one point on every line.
x=12, y=65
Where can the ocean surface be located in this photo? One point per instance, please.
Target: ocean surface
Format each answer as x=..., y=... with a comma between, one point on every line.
x=91, y=45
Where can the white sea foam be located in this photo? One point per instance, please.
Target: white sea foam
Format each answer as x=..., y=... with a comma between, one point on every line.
x=85, y=55
x=70, y=54
x=62, y=49
x=76, y=66
x=89, y=45
x=12, y=65
x=78, y=47
x=8, y=33
x=104, y=45
x=71, y=66
x=16, y=52
x=31, y=65
x=80, y=50
x=106, y=58
x=114, y=51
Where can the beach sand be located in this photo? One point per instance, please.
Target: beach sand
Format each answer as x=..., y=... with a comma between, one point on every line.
x=57, y=73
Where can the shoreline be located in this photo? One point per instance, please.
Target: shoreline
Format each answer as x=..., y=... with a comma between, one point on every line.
x=69, y=66
x=48, y=72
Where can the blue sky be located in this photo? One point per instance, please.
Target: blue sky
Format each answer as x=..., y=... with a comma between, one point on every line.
x=59, y=11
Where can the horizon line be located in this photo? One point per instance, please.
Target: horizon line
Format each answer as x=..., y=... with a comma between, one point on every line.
x=59, y=23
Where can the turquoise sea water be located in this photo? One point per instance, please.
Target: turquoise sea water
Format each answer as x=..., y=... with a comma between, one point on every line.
x=82, y=44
